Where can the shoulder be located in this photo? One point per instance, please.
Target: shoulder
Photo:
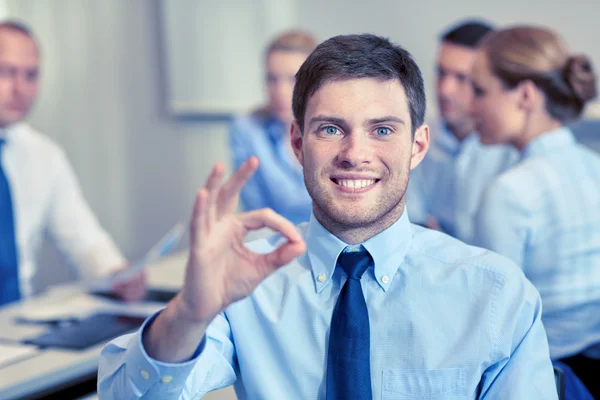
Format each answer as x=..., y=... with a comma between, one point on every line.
x=37, y=145
x=36, y=138
x=445, y=252
x=247, y=123
x=475, y=275
x=526, y=183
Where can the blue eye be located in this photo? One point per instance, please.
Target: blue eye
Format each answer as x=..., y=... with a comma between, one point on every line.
x=382, y=131
x=331, y=130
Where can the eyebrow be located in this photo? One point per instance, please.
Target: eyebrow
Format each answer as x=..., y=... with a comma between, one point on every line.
x=342, y=122
x=453, y=71
x=388, y=119
x=323, y=118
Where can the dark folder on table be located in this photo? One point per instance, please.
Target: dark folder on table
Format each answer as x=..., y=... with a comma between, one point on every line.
x=81, y=334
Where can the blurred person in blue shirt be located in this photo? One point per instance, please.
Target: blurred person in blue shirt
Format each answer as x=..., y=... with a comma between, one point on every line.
x=357, y=303
x=278, y=183
x=445, y=189
x=544, y=213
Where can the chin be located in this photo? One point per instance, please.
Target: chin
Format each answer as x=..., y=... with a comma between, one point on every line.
x=10, y=120
x=487, y=140
x=354, y=218
x=357, y=215
x=449, y=117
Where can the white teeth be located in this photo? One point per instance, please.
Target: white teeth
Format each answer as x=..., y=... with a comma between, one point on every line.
x=355, y=183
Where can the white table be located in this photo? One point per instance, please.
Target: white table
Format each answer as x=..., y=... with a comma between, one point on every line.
x=51, y=370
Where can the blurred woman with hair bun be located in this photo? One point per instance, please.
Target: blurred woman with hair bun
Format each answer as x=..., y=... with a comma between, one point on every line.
x=544, y=213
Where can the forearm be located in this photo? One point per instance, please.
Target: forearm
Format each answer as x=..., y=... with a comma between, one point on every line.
x=126, y=370
x=172, y=337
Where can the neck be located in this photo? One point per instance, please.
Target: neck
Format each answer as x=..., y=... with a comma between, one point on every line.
x=359, y=233
x=536, y=126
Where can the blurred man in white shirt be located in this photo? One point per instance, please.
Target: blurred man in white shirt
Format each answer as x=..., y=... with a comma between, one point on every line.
x=39, y=192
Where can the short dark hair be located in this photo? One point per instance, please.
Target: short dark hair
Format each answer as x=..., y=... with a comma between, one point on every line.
x=348, y=57
x=17, y=26
x=467, y=33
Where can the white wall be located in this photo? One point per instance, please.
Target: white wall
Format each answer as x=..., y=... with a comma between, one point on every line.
x=103, y=92
x=228, y=40
x=416, y=24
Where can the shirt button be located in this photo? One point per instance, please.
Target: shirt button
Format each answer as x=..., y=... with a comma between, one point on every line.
x=144, y=374
x=321, y=278
x=385, y=279
x=166, y=379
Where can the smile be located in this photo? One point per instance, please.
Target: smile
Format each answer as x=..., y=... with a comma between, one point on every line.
x=354, y=183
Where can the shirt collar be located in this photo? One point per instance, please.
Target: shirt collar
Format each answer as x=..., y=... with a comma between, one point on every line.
x=10, y=132
x=275, y=128
x=549, y=142
x=388, y=249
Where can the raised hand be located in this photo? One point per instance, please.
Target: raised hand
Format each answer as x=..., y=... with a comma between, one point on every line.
x=221, y=269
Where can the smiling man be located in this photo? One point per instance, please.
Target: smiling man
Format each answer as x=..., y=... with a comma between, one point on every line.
x=359, y=304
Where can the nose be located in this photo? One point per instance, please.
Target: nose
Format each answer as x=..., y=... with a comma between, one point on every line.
x=284, y=88
x=19, y=85
x=355, y=150
x=446, y=86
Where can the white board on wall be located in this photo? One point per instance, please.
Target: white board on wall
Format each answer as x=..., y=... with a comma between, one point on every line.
x=213, y=52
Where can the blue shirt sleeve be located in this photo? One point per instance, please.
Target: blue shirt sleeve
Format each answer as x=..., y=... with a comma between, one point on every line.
x=126, y=371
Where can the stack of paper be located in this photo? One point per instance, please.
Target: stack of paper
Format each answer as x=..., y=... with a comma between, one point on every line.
x=10, y=353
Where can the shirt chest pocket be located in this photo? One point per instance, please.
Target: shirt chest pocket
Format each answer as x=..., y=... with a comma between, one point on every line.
x=424, y=384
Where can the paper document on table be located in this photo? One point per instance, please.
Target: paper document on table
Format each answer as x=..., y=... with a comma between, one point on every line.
x=76, y=307
x=11, y=353
x=165, y=246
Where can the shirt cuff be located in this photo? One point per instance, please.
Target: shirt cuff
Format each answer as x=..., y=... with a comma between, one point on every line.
x=144, y=371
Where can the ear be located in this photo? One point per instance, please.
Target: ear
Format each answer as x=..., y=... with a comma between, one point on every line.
x=420, y=145
x=528, y=95
x=297, y=140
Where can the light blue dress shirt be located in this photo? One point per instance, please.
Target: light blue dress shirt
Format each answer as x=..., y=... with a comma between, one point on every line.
x=278, y=183
x=448, y=183
x=544, y=214
x=448, y=321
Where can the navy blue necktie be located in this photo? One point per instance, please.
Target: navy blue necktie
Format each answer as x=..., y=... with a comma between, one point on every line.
x=9, y=273
x=348, y=361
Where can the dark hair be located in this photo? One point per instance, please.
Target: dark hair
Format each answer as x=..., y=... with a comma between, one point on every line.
x=467, y=33
x=528, y=53
x=348, y=57
x=17, y=26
